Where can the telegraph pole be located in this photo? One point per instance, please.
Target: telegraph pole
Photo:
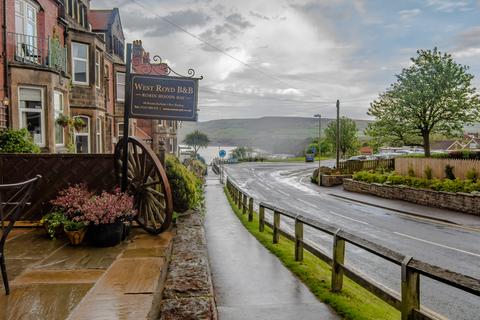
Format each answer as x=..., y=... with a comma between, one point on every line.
x=338, y=135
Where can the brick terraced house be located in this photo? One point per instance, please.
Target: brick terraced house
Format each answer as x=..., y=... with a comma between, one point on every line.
x=60, y=57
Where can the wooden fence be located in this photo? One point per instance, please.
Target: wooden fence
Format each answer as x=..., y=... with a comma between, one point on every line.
x=352, y=166
x=58, y=171
x=407, y=302
x=419, y=165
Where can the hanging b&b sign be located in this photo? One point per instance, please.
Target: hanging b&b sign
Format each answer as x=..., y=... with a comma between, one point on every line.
x=163, y=97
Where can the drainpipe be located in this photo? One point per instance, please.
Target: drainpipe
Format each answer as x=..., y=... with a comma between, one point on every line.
x=6, y=90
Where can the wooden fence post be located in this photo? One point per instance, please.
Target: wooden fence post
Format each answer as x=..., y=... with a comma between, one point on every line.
x=276, y=226
x=261, y=218
x=337, y=261
x=244, y=205
x=410, y=290
x=298, y=240
x=239, y=198
x=250, y=209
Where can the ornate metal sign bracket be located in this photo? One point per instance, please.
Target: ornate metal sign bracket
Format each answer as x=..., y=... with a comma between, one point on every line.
x=159, y=67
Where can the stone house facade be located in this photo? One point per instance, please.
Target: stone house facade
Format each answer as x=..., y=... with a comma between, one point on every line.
x=60, y=57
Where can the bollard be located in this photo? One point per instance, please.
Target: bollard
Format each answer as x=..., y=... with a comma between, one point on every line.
x=338, y=260
x=250, y=209
x=410, y=290
x=276, y=226
x=298, y=240
x=261, y=219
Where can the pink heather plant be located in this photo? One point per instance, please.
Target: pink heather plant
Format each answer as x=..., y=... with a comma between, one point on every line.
x=81, y=205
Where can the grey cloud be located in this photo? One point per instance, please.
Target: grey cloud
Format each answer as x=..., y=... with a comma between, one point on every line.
x=469, y=38
x=237, y=20
x=157, y=26
x=261, y=16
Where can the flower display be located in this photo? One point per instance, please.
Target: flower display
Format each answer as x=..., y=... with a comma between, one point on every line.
x=80, y=205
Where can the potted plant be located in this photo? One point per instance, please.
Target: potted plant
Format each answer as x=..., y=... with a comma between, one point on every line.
x=63, y=120
x=107, y=215
x=78, y=124
x=53, y=223
x=75, y=231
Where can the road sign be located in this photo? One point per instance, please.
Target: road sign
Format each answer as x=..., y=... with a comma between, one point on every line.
x=162, y=97
x=222, y=153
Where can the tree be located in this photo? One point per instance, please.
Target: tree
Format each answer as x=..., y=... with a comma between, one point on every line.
x=432, y=96
x=326, y=146
x=240, y=153
x=349, y=143
x=196, y=140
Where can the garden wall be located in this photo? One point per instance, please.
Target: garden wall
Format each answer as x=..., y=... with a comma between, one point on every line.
x=463, y=202
x=460, y=166
x=58, y=171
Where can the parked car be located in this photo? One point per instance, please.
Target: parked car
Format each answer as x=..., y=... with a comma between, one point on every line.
x=309, y=157
x=360, y=157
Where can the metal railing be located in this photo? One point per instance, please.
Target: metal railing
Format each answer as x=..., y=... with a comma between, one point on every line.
x=407, y=302
x=45, y=52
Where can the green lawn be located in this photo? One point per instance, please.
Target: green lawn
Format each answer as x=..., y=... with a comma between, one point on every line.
x=353, y=302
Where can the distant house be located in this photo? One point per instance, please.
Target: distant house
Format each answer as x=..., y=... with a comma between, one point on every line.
x=366, y=150
x=469, y=143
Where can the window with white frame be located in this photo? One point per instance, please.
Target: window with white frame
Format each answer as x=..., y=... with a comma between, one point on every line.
x=120, y=129
x=171, y=145
x=80, y=63
x=26, y=29
x=82, y=136
x=31, y=113
x=98, y=135
x=58, y=110
x=120, y=86
x=97, y=69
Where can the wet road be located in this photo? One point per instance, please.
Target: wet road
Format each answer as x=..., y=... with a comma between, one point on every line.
x=287, y=185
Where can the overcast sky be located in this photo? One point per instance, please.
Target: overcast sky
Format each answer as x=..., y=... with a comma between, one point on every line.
x=295, y=58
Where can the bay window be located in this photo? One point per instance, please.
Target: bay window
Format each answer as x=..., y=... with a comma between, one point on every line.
x=97, y=69
x=98, y=135
x=31, y=113
x=80, y=63
x=82, y=136
x=59, y=111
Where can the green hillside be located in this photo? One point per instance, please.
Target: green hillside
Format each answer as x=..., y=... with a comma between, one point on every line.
x=273, y=134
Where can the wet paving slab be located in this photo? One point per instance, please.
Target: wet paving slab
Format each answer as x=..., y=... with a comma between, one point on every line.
x=50, y=279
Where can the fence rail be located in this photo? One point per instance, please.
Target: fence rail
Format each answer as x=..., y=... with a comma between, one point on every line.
x=461, y=167
x=352, y=166
x=407, y=301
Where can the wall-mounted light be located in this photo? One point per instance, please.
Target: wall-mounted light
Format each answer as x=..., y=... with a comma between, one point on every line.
x=5, y=101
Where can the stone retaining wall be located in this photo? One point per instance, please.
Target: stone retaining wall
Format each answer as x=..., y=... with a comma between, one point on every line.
x=463, y=202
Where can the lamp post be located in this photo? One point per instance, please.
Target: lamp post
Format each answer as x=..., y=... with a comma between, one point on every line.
x=319, y=116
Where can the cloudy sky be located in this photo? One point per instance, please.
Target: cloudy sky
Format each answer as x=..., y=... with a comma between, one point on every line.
x=296, y=57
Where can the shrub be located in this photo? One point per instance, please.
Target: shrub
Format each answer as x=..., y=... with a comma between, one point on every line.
x=428, y=173
x=472, y=175
x=186, y=191
x=411, y=172
x=449, y=172
x=17, y=141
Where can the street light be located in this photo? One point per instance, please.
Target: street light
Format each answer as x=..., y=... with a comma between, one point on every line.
x=319, y=116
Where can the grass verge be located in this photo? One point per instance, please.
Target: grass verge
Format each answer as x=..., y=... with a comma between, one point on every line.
x=296, y=159
x=353, y=303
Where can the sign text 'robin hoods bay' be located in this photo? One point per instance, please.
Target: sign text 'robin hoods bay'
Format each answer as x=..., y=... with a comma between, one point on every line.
x=161, y=97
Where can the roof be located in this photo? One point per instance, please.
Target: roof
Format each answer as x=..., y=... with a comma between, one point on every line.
x=100, y=19
x=442, y=144
x=139, y=133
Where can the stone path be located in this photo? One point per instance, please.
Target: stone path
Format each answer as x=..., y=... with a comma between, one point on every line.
x=249, y=281
x=52, y=280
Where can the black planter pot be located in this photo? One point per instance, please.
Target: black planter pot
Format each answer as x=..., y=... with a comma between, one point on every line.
x=105, y=235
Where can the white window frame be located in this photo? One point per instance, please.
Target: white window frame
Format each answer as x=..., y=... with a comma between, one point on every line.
x=123, y=86
x=98, y=135
x=119, y=127
x=57, y=112
x=171, y=145
x=81, y=59
x=42, y=113
x=98, y=71
x=76, y=133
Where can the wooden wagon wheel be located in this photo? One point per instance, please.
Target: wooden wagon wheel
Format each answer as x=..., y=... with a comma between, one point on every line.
x=148, y=183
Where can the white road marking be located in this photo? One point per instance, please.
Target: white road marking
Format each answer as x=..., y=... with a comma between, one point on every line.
x=341, y=215
x=307, y=203
x=282, y=192
x=437, y=244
